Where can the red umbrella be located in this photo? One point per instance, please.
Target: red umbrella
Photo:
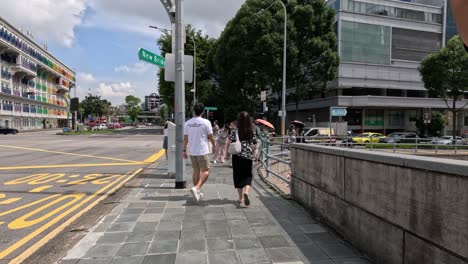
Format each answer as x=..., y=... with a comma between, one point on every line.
x=265, y=123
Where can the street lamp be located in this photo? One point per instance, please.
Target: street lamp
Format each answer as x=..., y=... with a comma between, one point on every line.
x=165, y=30
x=283, y=99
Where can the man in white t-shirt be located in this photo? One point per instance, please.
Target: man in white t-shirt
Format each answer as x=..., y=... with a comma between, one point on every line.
x=197, y=132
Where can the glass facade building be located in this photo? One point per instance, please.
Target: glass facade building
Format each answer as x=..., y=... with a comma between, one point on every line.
x=380, y=45
x=360, y=42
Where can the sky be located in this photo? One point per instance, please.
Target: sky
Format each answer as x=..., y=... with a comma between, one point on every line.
x=99, y=39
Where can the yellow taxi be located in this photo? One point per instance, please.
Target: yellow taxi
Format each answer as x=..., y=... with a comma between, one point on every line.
x=368, y=137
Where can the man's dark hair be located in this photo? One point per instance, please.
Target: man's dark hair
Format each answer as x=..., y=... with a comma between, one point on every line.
x=198, y=109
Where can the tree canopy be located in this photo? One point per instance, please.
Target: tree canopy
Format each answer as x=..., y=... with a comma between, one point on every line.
x=95, y=106
x=249, y=52
x=204, y=81
x=132, y=106
x=445, y=75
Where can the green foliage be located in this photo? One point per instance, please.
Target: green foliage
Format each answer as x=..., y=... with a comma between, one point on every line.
x=435, y=128
x=133, y=107
x=445, y=75
x=95, y=106
x=164, y=112
x=249, y=53
x=205, y=85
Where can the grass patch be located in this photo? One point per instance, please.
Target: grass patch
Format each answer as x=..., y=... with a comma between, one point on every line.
x=413, y=146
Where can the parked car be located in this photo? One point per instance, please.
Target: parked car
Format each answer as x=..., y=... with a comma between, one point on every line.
x=318, y=135
x=447, y=140
x=118, y=125
x=111, y=126
x=101, y=126
x=368, y=137
x=7, y=130
x=404, y=137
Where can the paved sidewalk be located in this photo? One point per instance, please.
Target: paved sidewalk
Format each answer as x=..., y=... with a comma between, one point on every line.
x=158, y=224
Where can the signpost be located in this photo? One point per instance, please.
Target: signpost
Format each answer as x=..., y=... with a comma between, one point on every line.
x=211, y=108
x=152, y=58
x=336, y=111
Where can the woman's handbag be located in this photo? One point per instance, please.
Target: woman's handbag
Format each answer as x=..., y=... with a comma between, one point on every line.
x=235, y=147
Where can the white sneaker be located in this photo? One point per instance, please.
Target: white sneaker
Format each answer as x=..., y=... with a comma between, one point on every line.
x=200, y=193
x=195, y=193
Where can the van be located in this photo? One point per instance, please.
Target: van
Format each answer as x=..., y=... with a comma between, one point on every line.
x=318, y=135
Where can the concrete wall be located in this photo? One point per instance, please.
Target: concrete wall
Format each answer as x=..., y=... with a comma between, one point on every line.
x=396, y=208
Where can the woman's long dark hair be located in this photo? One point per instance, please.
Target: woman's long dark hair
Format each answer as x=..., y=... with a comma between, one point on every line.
x=244, y=126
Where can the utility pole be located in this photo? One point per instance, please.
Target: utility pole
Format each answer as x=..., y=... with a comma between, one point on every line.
x=180, y=182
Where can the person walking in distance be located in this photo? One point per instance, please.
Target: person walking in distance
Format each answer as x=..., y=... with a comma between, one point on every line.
x=242, y=162
x=197, y=133
x=223, y=136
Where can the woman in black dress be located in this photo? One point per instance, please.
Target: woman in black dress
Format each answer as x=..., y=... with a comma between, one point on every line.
x=242, y=162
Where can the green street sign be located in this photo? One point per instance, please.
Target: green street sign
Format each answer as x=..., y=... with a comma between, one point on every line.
x=150, y=57
x=208, y=108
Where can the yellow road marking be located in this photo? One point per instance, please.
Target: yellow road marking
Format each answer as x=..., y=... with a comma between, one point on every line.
x=28, y=205
x=40, y=189
x=74, y=176
x=2, y=195
x=69, y=154
x=61, y=181
x=10, y=201
x=70, y=166
x=154, y=157
x=24, y=222
x=28, y=252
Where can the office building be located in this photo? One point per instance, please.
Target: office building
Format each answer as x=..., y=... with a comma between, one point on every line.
x=152, y=101
x=35, y=85
x=380, y=44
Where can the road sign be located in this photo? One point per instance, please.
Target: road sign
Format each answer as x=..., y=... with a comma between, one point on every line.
x=338, y=111
x=169, y=71
x=152, y=58
x=211, y=108
x=263, y=96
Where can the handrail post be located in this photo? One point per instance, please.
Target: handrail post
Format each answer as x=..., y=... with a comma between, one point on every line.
x=267, y=169
x=416, y=147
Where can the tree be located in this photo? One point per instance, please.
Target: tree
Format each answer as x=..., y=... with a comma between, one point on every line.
x=445, y=75
x=163, y=112
x=435, y=128
x=133, y=107
x=95, y=106
x=205, y=84
x=249, y=52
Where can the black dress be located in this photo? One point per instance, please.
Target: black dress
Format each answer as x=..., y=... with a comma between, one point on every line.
x=242, y=162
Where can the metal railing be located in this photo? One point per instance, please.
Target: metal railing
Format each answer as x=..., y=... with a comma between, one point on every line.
x=274, y=150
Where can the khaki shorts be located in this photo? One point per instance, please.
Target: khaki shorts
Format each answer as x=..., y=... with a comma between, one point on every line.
x=200, y=162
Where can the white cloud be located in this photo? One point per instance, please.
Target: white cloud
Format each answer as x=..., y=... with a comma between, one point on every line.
x=209, y=15
x=137, y=68
x=85, y=77
x=47, y=20
x=114, y=90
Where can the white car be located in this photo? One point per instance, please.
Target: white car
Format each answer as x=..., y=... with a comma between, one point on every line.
x=101, y=127
x=447, y=140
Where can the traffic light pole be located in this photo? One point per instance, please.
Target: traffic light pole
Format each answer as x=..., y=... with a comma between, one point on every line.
x=180, y=182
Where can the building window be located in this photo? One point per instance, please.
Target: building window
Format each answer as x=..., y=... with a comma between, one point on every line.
x=374, y=117
x=354, y=117
x=413, y=45
x=365, y=43
x=396, y=119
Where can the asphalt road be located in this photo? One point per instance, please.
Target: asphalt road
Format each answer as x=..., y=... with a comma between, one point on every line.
x=47, y=181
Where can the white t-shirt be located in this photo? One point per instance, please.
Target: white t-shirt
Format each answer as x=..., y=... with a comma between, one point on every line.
x=197, y=129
